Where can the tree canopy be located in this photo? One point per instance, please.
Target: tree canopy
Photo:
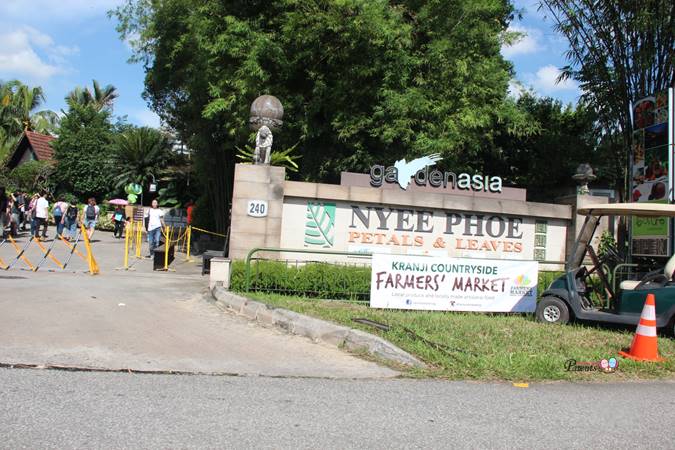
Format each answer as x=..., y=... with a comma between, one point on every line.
x=140, y=153
x=362, y=81
x=84, y=152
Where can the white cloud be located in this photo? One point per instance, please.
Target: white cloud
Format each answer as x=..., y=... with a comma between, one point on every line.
x=30, y=55
x=54, y=10
x=544, y=81
x=529, y=42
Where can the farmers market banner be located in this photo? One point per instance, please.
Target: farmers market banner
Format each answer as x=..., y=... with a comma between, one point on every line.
x=453, y=284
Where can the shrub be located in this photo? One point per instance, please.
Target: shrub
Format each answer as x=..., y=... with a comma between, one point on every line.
x=319, y=280
x=32, y=175
x=313, y=279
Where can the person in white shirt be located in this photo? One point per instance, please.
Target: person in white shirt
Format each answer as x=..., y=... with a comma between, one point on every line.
x=155, y=221
x=41, y=214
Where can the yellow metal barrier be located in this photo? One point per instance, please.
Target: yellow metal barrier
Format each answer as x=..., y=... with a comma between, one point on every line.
x=73, y=248
x=3, y=266
x=48, y=253
x=93, y=266
x=168, y=233
x=189, y=241
x=20, y=252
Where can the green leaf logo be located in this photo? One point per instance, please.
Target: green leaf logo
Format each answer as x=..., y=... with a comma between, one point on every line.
x=320, y=225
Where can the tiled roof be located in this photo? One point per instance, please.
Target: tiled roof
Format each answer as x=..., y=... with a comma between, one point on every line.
x=40, y=143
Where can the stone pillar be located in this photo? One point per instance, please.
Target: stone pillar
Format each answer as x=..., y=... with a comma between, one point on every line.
x=256, y=182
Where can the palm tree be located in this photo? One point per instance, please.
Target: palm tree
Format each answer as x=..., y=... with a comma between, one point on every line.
x=99, y=98
x=17, y=102
x=140, y=153
x=26, y=99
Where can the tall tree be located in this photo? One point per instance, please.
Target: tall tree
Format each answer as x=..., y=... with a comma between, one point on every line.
x=619, y=52
x=361, y=81
x=83, y=152
x=545, y=160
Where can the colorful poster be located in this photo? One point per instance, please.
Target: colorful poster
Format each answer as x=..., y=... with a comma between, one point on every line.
x=650, y=173
x=453, y=284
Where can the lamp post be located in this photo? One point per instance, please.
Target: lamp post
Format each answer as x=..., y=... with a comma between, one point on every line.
x=151, y=188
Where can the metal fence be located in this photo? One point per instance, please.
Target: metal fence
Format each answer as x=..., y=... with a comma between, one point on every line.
x=328, y=280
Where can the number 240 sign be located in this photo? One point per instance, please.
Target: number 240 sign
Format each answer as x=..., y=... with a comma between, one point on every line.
x=257, y=208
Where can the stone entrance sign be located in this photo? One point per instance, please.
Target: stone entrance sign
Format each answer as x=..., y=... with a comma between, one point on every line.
x=368, y=219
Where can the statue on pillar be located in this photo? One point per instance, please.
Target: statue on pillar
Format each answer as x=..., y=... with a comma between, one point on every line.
x=582, y=177
x=266, y=115
x=263, y=146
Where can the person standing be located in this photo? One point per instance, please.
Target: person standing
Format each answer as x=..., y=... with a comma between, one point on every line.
x=30, y=214
x=41, y=215
x=70, y=221
x=120, y=221
x=21, y=204
x=59, y=212
x=15, y=215
x=190, y=212
x=91, y=212
x=155, y=222
x=4, y=211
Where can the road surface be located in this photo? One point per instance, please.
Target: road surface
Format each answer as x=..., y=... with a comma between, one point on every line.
x=145, y=320
x=56, y=409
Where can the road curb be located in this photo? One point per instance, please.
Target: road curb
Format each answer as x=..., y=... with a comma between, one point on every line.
x=316, y=329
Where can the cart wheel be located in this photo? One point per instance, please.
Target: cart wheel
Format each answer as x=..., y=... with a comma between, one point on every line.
x=670, y=329
x=552, y=310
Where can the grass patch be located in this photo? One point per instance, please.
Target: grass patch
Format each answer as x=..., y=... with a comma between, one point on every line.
x=491, y=346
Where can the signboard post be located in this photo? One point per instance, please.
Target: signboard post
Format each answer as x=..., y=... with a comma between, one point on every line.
x=453, y=284
x=652, y=172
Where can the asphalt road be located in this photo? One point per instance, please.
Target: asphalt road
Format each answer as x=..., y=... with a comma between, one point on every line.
x=56, y=409
x=145, y=320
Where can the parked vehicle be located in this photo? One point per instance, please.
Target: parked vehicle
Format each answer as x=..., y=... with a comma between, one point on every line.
x=568, y=297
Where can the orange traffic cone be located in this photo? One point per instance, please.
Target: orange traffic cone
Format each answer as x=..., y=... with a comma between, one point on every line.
x=645, y=346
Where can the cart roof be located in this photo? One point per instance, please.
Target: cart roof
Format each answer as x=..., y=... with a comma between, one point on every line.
x=629, y=209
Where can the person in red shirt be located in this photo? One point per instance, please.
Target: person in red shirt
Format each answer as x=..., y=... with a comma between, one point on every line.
x=190, y=208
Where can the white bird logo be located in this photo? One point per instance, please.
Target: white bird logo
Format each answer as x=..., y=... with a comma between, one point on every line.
x=405, y=170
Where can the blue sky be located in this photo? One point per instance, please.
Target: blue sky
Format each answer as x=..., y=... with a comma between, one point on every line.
x=538, y=55
x=60, y=44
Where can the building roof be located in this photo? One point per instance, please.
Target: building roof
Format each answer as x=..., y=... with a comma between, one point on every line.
x=40, y=143
x=39, y=146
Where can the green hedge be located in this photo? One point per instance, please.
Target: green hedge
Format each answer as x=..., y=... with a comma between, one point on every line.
x=318, y=280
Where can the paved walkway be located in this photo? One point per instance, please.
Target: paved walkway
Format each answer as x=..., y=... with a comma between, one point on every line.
x=145, y=320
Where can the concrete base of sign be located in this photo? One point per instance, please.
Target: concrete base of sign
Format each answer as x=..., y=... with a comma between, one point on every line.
x=220, y=273
x=315, y=329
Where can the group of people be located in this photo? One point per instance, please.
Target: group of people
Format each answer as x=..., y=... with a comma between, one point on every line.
x=19, y=210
